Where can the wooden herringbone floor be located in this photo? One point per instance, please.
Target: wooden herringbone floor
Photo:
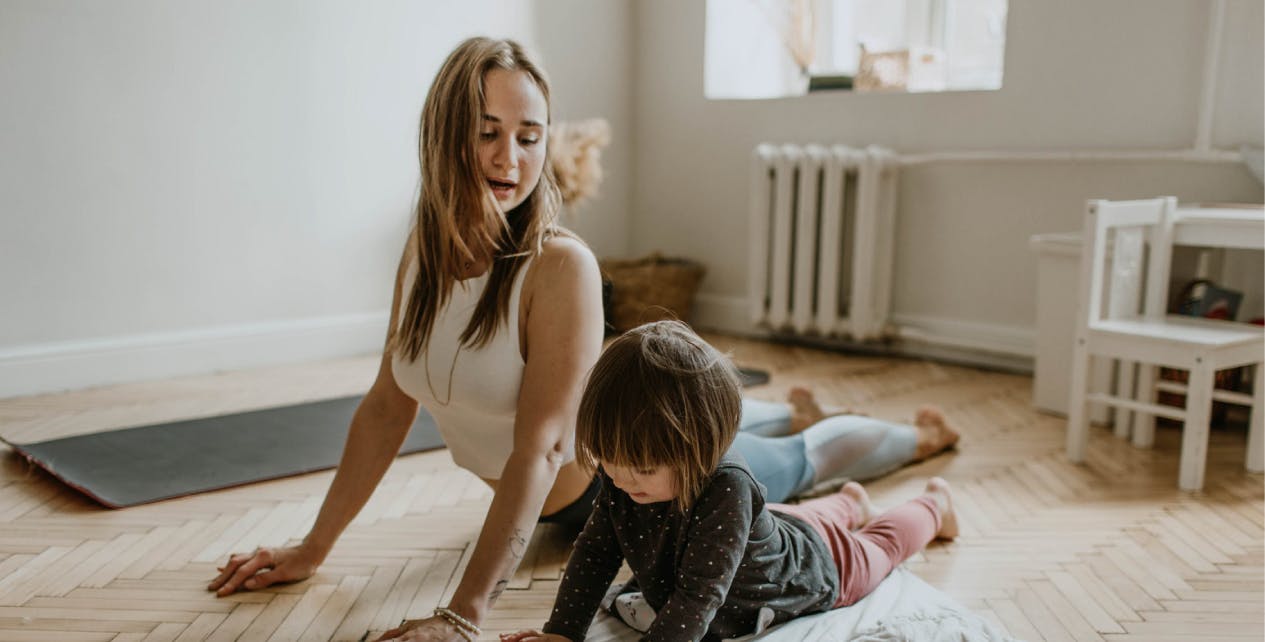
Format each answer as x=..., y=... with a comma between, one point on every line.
x=1110, y=550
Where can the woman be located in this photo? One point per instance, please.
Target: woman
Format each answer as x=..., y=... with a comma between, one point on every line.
x=495, y=322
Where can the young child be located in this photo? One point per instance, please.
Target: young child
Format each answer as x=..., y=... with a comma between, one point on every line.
x=658, y=414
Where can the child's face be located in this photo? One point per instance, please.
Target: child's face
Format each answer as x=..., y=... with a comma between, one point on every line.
x=644, y=486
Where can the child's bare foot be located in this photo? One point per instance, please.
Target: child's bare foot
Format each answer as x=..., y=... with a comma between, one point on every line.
x=857, y=493
x=934, y=433
x=805, y=411
x=939, y=492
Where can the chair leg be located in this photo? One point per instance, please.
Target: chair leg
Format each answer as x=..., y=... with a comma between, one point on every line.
x=1101, y=372
x=1123, y=417
x=1194, y=457
x=1077, y=410
x=1144, y=422
x=1256, y=425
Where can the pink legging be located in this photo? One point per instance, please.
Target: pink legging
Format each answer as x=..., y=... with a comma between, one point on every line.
x=865, y=557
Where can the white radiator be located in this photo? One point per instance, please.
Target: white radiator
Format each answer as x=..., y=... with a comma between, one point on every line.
x=822, y=226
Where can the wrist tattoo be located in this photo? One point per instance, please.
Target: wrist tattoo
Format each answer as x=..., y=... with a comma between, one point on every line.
x=518, y=544
x=496, y=592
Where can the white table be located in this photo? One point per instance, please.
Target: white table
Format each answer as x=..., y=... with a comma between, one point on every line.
x=1216, y=226
x=1210, y=231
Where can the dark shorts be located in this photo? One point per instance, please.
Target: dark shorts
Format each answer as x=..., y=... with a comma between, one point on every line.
x=573, y=516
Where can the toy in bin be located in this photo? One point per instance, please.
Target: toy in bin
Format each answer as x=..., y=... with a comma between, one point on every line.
x=1203, y=298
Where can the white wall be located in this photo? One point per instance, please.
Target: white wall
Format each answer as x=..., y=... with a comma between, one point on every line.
x=1081, y=74
x=188, y=187
x=587, y=48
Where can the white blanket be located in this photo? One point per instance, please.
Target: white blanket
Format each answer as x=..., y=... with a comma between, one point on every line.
x=902, y=608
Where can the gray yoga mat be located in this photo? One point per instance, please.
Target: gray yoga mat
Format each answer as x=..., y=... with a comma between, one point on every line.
x=133, y=466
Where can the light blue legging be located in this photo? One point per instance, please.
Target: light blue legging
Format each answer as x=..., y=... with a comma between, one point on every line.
x=859, y=448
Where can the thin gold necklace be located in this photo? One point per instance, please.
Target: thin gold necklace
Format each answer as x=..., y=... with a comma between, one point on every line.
x=451, y=368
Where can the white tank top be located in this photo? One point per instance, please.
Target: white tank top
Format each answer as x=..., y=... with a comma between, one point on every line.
x=474, y=408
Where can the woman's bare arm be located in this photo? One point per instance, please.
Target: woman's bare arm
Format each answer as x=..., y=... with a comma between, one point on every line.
x=378, y=428
x=563, y=341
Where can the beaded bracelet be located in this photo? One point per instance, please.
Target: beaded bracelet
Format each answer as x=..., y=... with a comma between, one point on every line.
x=466, y=635
x=465, y=627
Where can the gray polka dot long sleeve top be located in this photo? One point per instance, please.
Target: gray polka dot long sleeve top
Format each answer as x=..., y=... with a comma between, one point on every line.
x=707, y=572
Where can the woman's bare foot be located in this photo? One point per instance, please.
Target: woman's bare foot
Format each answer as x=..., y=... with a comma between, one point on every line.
x=934, y=433
x=939, y=492
x=805, y=411
x=856, y=492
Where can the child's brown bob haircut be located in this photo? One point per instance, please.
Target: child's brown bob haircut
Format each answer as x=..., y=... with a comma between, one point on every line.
x=660, y=396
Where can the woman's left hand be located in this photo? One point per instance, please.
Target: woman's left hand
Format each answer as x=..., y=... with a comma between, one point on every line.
x=431, y=629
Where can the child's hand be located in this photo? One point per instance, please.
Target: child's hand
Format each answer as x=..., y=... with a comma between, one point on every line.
x=531, y=635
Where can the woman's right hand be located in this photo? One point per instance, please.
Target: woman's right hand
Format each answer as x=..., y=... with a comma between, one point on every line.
x=531, y=635
x=243, y=570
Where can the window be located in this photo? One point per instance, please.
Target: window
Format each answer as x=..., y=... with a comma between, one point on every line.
x=776, y=48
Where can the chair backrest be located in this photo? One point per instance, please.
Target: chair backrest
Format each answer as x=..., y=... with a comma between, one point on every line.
x=1128, y=228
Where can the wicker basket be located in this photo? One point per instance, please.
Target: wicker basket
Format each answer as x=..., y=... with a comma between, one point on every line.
x=650, y=289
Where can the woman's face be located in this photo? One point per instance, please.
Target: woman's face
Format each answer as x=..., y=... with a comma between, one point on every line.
x=512, y=138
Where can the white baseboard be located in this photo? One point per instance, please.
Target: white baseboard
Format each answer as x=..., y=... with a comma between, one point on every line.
x=969, y=335
x=984, y=344
x=70, y=365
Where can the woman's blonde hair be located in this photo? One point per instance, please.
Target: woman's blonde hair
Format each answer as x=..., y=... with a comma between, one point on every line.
x=457, y=217
x=660, y=396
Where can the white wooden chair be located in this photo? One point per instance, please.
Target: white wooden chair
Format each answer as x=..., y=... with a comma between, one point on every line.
x=1146, y=335
x=1208, y=227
